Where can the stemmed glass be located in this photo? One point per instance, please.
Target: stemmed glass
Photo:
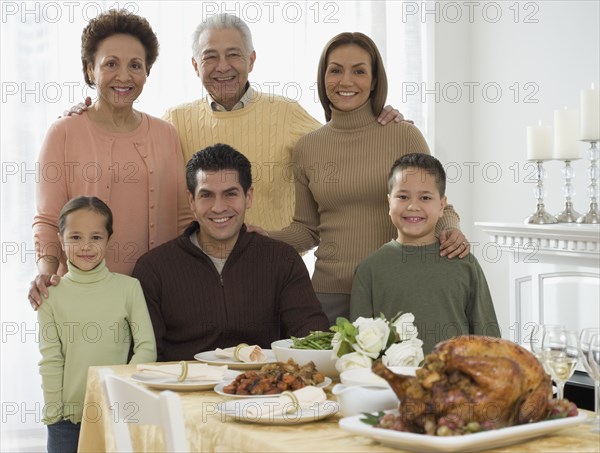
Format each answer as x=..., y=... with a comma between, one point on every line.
x=560, y=351
x=593, y=361
x=535, y=339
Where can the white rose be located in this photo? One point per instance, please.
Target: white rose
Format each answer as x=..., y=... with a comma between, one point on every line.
x=353, y=360
x=405, y=327
x=336, y=343
x=372, y=336
x=407, y=353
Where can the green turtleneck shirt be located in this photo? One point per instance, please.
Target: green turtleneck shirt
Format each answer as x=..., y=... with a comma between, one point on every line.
x=88, y=320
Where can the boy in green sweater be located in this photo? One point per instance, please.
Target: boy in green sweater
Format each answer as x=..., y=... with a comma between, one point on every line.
x=447, y=297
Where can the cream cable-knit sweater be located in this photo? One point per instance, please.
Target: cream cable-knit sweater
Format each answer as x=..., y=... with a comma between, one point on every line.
x=265, y=131
x=341, y=193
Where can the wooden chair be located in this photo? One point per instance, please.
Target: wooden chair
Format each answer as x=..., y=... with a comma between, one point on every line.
x=131, y=403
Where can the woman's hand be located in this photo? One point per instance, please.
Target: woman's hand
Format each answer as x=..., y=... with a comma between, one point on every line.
x=453, y=243
x=256, y=229
x=389, y=114
x=39, y=289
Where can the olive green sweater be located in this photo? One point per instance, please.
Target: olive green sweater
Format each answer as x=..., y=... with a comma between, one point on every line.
x=341, y=193
x=447, y=297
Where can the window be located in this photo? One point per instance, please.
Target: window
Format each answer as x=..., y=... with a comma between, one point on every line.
x=41, y=77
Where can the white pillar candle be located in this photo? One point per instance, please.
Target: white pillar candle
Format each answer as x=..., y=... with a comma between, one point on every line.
x=590, y=114
x=539, y=142
x=566, y=135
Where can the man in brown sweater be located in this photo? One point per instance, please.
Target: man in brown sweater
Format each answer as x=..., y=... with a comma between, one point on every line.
x=218, y=285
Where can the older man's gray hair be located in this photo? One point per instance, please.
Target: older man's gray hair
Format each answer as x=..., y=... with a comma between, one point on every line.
x=219, y=22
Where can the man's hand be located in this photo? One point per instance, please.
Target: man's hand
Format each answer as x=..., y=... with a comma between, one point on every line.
x=39, y=289
x=389, y=114
x=79, y=108
x=454, y=243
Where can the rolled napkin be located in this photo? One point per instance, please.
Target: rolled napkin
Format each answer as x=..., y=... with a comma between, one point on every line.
x=289, y=403
x=186, y=372
x=242, y=353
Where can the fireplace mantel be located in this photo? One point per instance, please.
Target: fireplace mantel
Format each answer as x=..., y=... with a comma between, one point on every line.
x=554, y=274
x=562, y=239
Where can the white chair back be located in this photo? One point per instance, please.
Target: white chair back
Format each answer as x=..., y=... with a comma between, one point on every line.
x=131, y=403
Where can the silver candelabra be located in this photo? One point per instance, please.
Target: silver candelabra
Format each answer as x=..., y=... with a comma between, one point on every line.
x=540, y=216
x=592, y=216
x=568, y=215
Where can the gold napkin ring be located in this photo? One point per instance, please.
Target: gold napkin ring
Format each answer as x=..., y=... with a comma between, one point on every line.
x=236, y=353
x=184, y=371
x=295, y=402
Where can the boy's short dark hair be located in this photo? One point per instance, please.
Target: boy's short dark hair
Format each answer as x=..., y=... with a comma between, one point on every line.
x=216, y=158
x=423, y=161
x=93, y=204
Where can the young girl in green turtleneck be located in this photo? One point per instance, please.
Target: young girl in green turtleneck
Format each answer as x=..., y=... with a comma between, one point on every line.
x=90, y=319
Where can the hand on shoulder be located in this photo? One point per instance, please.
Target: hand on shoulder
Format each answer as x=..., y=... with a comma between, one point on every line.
x=78, y=109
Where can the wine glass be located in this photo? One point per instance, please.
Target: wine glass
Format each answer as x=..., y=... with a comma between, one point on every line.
x=535, y=339
x=560, y=352
x=584, y=346
x=594, y=364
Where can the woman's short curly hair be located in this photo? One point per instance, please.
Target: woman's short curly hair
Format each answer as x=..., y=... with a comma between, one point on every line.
x=114, y=22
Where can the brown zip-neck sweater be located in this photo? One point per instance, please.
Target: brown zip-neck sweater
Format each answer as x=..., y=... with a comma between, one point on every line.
x=263, y=294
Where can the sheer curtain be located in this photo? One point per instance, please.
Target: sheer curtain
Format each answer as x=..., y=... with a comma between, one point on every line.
x=41, y=77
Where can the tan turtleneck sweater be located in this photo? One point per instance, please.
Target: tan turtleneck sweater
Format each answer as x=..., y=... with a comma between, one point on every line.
x=265, y=131
x=341, y=193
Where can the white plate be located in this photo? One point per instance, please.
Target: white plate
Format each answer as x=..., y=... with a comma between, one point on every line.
x=211, y=358
x=171, y=383
x=219, y=389
x=465, y=443
x=238, y=411
x=364, y=376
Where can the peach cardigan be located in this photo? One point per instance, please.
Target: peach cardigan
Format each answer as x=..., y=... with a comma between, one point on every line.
x=139, y=174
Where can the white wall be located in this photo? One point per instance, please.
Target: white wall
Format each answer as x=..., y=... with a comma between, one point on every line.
x=553, y=46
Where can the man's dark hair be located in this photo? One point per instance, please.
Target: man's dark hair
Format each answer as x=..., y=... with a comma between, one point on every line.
x=216, y=158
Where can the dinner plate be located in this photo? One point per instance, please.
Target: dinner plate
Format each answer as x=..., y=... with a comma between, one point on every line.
x=211, y=358
x=468, y=442
x=171, y=382
x=219, y=389
x=364, y=376
x=238, y=411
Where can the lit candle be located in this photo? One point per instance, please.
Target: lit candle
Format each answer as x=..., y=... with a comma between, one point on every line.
x=539, y=142
x=566, y=126
x=590, y=114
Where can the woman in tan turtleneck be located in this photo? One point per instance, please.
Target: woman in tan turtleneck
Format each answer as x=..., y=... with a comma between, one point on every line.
x=341, y=171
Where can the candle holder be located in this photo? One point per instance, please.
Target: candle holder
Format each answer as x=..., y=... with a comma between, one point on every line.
x=568, y=215
x=540, y=216
x=592, y=216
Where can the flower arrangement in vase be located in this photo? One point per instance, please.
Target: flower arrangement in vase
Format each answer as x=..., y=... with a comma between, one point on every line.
x=358, y=344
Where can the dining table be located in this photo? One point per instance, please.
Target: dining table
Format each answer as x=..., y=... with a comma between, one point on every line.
x=210, y=431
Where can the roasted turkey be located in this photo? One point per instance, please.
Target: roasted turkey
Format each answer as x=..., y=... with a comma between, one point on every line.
x=490, y=381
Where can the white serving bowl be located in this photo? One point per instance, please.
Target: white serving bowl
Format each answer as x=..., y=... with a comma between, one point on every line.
x=321, y=358
x=365, y=377
x=355, y=400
